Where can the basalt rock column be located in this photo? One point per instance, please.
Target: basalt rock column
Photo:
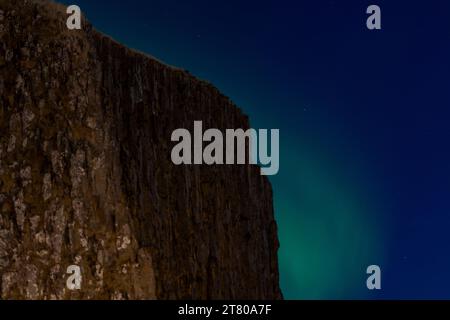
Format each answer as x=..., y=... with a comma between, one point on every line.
x=86, y=177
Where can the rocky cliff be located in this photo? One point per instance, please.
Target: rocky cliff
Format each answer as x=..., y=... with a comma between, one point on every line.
x=86, y=176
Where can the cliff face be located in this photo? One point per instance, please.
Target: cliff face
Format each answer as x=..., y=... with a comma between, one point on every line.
x=86, y=177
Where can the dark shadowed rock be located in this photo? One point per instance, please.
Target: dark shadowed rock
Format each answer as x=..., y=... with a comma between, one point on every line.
x=86, y=176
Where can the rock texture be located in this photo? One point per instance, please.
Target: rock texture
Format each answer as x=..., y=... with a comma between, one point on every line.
x=86, y=176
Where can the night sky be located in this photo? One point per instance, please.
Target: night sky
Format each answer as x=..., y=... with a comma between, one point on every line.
x=364, y=126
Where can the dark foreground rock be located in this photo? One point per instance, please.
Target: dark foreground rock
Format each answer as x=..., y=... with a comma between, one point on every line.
x=86, y=177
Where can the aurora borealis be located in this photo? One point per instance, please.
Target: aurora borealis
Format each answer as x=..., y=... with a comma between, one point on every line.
x=363, y=119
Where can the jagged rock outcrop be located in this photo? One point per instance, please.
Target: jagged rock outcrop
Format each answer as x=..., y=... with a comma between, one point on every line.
x=86, y=176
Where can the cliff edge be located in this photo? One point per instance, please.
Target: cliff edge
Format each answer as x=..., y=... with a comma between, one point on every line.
x=86, y=176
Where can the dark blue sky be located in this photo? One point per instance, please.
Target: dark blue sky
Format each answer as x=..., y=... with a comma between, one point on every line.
x=363, y=118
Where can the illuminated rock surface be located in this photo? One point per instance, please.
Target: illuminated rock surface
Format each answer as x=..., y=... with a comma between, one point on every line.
x=86, y=176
